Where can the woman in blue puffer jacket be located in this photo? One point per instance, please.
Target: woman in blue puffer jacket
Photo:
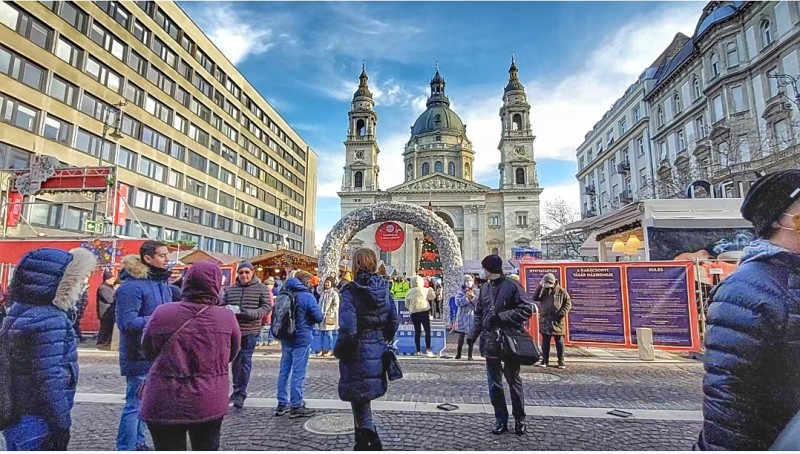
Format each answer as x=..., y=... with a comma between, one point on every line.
x=41, y=345
x=367, y=322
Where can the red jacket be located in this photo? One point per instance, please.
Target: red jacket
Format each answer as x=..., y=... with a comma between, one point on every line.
x=189, y=383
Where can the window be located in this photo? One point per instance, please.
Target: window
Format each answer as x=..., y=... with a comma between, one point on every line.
x=187, y=43
x=74, y=218
x=782, y=138
x=719, y=113
x=637, y=114
x=159, y=48
x=438, y=166
x=91, y=144
x=131, y=127
x=602, y=173
x=451, y=168
x=160, y=80
x=772, y=83
x=737, y=98
x=229, y=132
x=150, y=168
x=57, y=129
x=662, y=150
x=148, y=201
x=494, y=220
x=676, y=103
x=226, y=199
x=21, y=69
x=134, y=94
x=182, y=96
x=696, y=88
x=137, y=62
x=640, y=145
x=201, y=84
x=519, y=175
x=45, y=214
x=206, y=62
x=74, y=16
x=198, y=134
x=234, y=89
x=179, y=123
x=623, y=126
x=522, y=220
x=18, y=114
x=766, y=32
x=183, y=69
x=164, y=22
x=171, y=209
x=117, y=12
x=195, y=187
x=732, y=54
x=680, y=140
x=700, y=127
x=200, y=110
x=714, y=65
x=660, y=117
x=107, y=41
x=141, y=33
x=9, y=16
x=25, y=25
x=155, y=139
x=197, y=161
x=63, y=91
x=175, y=179
x=580, y=163
x=102, y=74
x=68, y=52
x=177, y=151
x=426, y=168
x=156, y=108
x=126, y=158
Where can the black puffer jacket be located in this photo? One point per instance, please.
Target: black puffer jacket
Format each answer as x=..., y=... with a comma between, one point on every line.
x=752, y=361
x=253, y=301
x=506, y=299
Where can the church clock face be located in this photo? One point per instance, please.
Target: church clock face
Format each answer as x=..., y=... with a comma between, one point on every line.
x=360, y=154
x=519, y=151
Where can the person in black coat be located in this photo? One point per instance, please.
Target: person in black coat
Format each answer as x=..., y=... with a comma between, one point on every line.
x=501, y=306
x=105, y=303
x=368, y=321
x=752, y=359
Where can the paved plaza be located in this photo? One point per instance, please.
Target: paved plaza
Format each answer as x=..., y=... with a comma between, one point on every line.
x=567, y=409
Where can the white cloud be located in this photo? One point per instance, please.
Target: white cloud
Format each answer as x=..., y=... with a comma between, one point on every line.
x=235, y=33
x=567, y=190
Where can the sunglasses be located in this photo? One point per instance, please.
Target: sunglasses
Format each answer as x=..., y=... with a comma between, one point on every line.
x=795, y=220
x=243, y=272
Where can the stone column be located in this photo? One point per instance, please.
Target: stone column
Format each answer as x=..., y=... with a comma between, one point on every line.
x=468, y=223
x=480, y=214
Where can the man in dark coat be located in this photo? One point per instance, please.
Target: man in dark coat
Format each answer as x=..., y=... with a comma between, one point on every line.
x=554, y=304
x=144, y=288
x=105, y=300
x=250, y=301
x=40, y=342
x=501, y=306
x=752, y=358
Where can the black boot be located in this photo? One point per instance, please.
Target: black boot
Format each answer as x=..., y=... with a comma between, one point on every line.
x=469, y=352
x=519, y=427
x=367, y=440
x=460, y=346
x=375, y=441
x=500, y=427
x=362, y=444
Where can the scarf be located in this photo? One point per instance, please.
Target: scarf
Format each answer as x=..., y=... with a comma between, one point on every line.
x=157, y=274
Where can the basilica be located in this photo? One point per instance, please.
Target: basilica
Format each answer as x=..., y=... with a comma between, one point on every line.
x=438, y=162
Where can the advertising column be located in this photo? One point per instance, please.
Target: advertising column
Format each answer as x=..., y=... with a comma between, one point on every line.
x=597, y=315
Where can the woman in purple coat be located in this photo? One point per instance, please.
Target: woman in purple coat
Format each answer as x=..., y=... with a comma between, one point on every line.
x=192, y=343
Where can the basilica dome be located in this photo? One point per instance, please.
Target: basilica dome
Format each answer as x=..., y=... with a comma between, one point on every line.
x=438, y=116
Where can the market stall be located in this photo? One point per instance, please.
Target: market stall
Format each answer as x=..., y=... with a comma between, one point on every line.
x=279, y=264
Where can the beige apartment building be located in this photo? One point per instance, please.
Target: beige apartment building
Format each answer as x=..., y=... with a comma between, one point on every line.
x=139, y=87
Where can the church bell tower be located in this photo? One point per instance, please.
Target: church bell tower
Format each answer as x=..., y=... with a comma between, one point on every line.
x=361, y=147
x=517, y=165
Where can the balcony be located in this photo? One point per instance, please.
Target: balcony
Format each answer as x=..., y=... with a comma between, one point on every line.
x=625, y=197
x=624, y=167
x=761, y=164
x=590, y=213
x=589, y=190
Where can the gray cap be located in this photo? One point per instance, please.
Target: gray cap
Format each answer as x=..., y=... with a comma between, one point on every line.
x=549, y=278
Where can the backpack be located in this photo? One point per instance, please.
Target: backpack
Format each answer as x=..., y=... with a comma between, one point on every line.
x=8, y=414
x=283, y=317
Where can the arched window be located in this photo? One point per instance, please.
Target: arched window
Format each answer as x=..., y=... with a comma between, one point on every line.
x=451, y=168
x=358, y=179
x=766, y=32
x=696, y=88
x=437, y=119
x=467, y=173
x=676, y=103
x=495, y=251
x=520, y=175
x=426, y=168
x=660, y=116
x=438, y=167
x=714, y=65
x=732, y=54
x=361, y=128
x=516, y=122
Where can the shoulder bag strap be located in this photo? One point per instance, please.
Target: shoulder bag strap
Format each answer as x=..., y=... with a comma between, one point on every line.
x=171, y=338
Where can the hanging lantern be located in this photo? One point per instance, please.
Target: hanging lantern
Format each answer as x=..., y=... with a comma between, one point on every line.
x=618, y=247
x=632, y=244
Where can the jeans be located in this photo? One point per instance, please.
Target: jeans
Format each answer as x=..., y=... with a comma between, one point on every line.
x=494, y=373
x=32, y=433
x=422, y=320
x=326, y=335
x=242, y=365
x=265, y=335
x=204, y=436
x=546, y=347
x=294, y=362
x=131, y=433
x=362, y=415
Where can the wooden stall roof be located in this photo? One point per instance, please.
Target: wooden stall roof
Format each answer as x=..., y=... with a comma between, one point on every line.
x=285, y=258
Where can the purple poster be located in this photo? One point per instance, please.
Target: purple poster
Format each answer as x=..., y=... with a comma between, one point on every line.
x=534, y=275
x=596, y=314
x=658, y=299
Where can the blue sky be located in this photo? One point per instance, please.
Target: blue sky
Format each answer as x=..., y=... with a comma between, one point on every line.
x=575, y=59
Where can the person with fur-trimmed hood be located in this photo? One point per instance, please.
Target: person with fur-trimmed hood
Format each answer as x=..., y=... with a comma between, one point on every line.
x=42, y=348
x=144, y=288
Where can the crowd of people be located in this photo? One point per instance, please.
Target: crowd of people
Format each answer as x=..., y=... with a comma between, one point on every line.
x=181, y=351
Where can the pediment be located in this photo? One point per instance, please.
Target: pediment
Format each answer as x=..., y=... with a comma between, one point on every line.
x=438, y=182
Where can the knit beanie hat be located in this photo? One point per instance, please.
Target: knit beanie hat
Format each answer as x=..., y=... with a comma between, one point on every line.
x=769, y=197
x=245, y=264
x=493, y=264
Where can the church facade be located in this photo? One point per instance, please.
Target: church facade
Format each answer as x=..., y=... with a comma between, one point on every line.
x=438, y=164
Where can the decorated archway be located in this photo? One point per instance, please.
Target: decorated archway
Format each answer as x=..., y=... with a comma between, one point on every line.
x=421, y=218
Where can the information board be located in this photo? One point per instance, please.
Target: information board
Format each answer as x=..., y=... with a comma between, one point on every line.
x=658, y=298
x=597, y=313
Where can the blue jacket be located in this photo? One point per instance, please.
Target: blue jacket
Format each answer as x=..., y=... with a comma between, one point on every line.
x=41, y=342
x=368, y=321
x=308, y=312
x=136, y=299
x=752, y=358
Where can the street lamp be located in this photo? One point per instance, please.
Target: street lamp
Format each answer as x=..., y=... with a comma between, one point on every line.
x=786, y=79
x=114, y=135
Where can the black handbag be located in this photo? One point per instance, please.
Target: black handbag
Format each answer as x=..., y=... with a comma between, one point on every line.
x=391, y=366
x=519, y=346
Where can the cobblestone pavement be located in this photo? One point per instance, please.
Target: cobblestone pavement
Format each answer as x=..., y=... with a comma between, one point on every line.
x=627, y=385
x=256, y=429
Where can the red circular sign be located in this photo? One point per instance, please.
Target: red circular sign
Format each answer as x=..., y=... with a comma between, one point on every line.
x=389, y=236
